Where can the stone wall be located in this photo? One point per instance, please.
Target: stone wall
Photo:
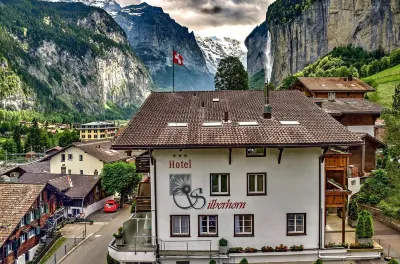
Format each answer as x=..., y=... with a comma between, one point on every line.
x=378, y=215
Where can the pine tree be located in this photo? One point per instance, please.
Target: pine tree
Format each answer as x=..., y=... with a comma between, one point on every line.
x=396, y=99
x=231, y=75
x=17, y=138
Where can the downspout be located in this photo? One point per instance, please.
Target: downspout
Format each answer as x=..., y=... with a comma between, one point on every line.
x=154, y=163
x=320, y=161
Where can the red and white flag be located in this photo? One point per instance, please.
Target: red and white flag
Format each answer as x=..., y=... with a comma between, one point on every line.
x=178, y=59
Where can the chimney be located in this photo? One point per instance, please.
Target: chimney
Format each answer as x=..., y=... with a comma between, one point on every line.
x=202, y=104
x=194, y=93
x=96, y=174
x=350, y=77
x=226, y=117
x=267, y=107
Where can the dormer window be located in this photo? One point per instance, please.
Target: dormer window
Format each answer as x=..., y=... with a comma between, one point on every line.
x=177, y=124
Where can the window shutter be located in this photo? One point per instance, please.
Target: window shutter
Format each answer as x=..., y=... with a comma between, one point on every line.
x=15, y=245
x=38, y=230
x=37, y=213
x=46, y=208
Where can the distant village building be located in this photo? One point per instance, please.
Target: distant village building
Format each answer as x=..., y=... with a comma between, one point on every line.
x=31, y=155
x=24, y=209
x=233, y=165
x=53, y=150
x=97, y=131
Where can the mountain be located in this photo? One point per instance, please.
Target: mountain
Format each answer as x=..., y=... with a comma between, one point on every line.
x=214, y=49
x=69, y=59
x=110, y=6
x=153, y=34
x=303, y=31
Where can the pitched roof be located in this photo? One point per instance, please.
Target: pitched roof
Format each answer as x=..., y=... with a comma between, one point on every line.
x=101, y=150
x=81, y=184
x=370, y=138
x=334, y=84
x=34, y=167
x=15, y=201
x=342, y=106
x=99, y=123
x=150, y=127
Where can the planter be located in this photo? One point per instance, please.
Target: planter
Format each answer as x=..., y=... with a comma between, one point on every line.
x=223, y=250
x=364, y=240
x=351, y=222
x=339, y=212
x=119, y=241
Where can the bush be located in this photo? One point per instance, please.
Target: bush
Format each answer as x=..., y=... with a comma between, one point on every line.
x=212, y=262
x=365, y=225
x=358, y=245
x=133, y=206
x=244, y=261
x=353, y=209
x=319, y=261
x=223, y=242
x=393, y=261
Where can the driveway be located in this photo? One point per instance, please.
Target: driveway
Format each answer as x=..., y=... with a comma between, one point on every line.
x=386, y=236
x=95, y=248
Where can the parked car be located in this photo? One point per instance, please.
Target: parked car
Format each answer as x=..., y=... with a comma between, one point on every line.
x=111, y=206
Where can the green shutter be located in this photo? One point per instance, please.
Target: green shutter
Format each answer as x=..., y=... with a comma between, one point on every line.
x=37, y=213
x=46, y=208
x=38, y=230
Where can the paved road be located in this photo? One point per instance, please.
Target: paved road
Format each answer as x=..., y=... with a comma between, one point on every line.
x=94, y=250
x=387, y=236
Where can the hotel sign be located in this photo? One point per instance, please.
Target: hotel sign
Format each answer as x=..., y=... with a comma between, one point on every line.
x=180, y=164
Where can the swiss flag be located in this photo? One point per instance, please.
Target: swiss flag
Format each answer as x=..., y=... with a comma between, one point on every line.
x=178, y=59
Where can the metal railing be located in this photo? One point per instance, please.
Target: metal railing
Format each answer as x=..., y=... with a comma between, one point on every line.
x=185, y=248
x=66, y=248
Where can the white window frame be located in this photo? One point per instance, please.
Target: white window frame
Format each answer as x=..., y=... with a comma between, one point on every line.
x=22, y=223
x=33, y=231
x=180, y=217
x=72, y=157
x=256, y=154
x=264, y=184
x=296, y=232
x=242, y=224
x=219, y=184
x=8, y=249
x=208, y=233
x=22, y=238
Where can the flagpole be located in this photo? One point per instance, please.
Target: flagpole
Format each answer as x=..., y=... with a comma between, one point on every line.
x=173, y=70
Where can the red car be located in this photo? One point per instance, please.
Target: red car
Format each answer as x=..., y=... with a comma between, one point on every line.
x=111, y=206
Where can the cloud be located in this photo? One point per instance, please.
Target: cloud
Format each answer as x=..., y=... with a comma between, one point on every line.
x=206, y=15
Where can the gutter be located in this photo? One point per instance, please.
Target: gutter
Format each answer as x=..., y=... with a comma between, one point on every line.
x=155, y=200
x=320, y=161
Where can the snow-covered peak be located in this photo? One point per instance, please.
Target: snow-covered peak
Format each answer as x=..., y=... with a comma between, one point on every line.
x=214, y=49
x=111, y=6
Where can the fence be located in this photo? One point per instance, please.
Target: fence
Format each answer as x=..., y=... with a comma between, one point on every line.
x=69, y=244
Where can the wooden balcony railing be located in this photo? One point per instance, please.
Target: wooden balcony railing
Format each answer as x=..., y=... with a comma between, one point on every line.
x=143, y=204
x=143, y=163
x=336, y=198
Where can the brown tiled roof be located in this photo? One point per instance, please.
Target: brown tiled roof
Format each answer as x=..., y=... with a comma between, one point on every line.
x=334, y=84
x=34, y=167
x=370, y=138
x=101, y=150
x=342, y=106
x=149, y=127
x=81, y=184
x=15, y=201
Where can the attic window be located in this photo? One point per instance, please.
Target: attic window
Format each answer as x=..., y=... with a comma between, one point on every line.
x=212, y=124
x=216, y=100
x=290, y=123
x=177, y=124
x=248, y=123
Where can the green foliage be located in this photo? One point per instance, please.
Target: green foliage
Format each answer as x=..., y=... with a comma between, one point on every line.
x=223, y=242
x=283, y=11
x=10, y=146
x=231, y=75
x=365, y=226
x=319, y=261
x=396, y=99
x=68, y=137
x=9, y=81
x=120, y=177
x=353, y=209
x=393, y=261
x=17, y=138
x=133, y=207
x=243, y=261
x=212, y=262
x=257, y=81
x=376, y=188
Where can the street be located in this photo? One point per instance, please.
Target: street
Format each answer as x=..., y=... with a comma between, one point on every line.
x=95, y=248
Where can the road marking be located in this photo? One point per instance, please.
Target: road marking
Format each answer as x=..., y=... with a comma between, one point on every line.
x=97, y=236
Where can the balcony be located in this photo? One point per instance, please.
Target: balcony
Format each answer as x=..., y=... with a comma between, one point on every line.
x=143, y=163
x=335, y=195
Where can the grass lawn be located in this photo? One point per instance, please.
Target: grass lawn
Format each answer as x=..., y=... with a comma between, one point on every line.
x=385, y=83
x=53, y=250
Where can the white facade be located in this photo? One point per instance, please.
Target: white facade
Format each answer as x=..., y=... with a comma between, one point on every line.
x=86, y=166
x=292, y=187
x=363, y=129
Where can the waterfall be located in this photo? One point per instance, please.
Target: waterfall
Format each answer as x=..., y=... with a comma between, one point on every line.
x=269, y=60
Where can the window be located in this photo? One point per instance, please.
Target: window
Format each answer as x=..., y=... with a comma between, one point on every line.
x=31, y=233
x=63, y=169
x=208, y=225
x=81, y=171
x=29, y=217
x=95, y=136
x=296, y=224
x=22, y=238
x=353, y=183
x=220, y=184
x=22, y=223
x=80, y=157
x=89, y=136
x=62, y=157
x=180, y=225
x=244, y=225
x=256, y=184
x=83, y=136
x=70, y=156
x=255, y=152
x=69, y=171
x=8, y=249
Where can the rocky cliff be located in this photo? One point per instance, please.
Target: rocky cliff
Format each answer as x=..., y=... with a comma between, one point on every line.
x=71, y=58
x=370, y=24
x=256, y=44
x=153, y=34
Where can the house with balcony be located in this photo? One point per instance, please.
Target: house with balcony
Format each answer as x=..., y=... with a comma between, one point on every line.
x=24, y=219
x=246, y=166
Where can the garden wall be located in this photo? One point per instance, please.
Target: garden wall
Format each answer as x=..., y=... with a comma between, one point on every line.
x=378, y=215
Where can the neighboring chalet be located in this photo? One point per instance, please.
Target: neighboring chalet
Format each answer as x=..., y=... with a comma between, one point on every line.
x=85, y=158
x=13, y=174
x=233, y=165
x=335, y=87
x=83, y=192
x=52, y=151
x=25, y=209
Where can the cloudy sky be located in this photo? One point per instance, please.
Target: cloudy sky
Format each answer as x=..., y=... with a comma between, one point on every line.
x=231, y=18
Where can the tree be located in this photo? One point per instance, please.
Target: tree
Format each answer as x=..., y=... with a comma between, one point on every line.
x=17, y=138
x=33, y=141
x=231, y=75
x=120, y=177
x=67, y=138
x=396, y=99
x=9, y=146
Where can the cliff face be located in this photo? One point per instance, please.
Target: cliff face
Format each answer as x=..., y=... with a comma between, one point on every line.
x=70, y=58
x=153, y=34
x=370, y=24
x=256, y=44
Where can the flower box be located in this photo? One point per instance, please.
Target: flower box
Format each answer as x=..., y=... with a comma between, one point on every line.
x=281, y=248
x=297, y=248
x=250, y=250
x=236, y=250
x=267, y=249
